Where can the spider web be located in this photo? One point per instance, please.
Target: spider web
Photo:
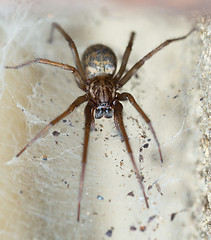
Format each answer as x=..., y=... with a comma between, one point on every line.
x=39, y=189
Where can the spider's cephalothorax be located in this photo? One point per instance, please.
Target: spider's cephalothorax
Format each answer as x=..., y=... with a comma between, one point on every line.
x=102, y=92
x=95, y=76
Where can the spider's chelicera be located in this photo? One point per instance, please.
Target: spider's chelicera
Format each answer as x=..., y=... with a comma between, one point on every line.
x=95, y=75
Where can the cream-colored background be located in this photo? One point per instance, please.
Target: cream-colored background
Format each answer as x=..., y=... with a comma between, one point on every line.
x=39, y=198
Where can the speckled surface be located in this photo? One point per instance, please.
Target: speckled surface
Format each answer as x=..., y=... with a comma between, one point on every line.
x=39, y=197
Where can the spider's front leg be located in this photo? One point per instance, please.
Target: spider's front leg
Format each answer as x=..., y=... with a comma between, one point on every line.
x=128, y=96
x=118, y=119
x=75, y=104
x=88, y=111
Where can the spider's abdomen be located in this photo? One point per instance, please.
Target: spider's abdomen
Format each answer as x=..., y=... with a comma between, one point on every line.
x=99, y=60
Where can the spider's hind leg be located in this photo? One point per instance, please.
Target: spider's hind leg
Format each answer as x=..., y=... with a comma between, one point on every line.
x=72, y=46
x=141, y=62
x=124, y=59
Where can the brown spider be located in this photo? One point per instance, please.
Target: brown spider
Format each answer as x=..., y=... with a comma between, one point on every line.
x=95, y=76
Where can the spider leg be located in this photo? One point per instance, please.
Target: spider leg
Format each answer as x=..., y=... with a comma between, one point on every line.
x=141, y=62
x=128, y=96
x=88, y=121
x=75, y=104
x=124, y=59
x=120, y=126
x=93, y=120
x=75, y=72
x=72, y=46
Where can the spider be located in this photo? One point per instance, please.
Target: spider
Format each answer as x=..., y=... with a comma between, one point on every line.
x=95, y=75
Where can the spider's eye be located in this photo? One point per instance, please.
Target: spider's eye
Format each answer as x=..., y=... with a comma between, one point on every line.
x=103, y=112
x=99, y=113
x=108, y=113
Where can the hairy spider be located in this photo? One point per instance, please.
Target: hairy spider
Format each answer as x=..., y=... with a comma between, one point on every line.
x=95, y=75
